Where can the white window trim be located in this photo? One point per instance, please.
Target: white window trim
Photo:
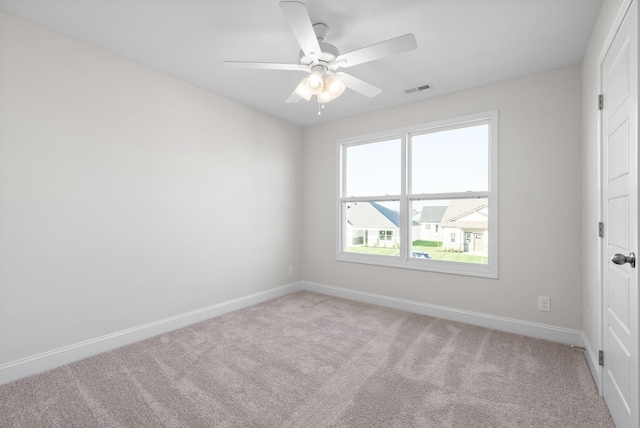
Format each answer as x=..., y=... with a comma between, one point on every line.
x=489, y=270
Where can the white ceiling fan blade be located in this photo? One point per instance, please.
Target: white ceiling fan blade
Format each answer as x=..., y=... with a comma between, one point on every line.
x=300, y=23
x=264, y=65
x=358, y=85
x=379, y=50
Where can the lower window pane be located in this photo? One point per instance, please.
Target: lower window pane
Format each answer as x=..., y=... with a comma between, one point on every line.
x=454, y=230
x=373, y=228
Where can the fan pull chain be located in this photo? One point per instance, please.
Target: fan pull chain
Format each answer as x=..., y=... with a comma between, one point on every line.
x=320, y=106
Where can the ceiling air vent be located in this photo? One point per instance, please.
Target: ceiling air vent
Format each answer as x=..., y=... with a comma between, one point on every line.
x=418, y=88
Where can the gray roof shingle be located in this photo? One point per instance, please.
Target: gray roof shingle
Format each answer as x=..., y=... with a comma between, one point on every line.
x=372, y=215
x=432, y=214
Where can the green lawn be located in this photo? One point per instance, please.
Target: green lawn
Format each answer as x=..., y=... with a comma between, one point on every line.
x=374, y=250
x=433, y=248
x=429, y=244
x=458, y=257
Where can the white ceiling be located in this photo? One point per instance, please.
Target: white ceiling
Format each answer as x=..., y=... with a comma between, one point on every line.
x=461, y=43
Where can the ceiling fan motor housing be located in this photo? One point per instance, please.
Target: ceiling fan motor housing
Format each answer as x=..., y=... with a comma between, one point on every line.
x=329, y=52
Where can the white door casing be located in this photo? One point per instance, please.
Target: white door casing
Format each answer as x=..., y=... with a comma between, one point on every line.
x=619, y=71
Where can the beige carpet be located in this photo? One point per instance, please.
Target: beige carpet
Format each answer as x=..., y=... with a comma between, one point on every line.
x=309, y=360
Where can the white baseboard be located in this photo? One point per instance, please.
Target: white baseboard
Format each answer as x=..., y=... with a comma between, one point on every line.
x=593, y=362
x=68, y=354
x=525, y=328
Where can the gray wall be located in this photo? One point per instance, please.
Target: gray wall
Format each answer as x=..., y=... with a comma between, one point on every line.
x=540, y=200
x=127, y=197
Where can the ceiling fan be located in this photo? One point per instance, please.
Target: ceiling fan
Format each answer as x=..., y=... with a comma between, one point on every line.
x=322, y=60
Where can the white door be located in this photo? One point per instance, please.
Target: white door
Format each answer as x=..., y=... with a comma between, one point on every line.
x=620, y=217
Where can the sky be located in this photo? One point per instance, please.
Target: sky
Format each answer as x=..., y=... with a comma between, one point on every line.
x=443, y=161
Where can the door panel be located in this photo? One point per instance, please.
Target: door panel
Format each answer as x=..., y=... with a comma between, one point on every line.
x=618, y=236
x=618, y=162
x=619, y=297
x=620, y=357
x=618, y=78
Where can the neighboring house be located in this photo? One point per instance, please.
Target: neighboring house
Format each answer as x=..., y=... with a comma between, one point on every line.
x=464, y=226
x=430, y=219
x=370, y=224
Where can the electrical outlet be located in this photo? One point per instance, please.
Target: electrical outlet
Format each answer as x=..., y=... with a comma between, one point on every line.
x=544, y=304
x=290, y=270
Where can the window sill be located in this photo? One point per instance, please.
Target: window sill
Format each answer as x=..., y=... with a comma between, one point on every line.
x=454, y=268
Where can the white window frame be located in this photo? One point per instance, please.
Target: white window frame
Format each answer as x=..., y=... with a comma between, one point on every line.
x=489, y=270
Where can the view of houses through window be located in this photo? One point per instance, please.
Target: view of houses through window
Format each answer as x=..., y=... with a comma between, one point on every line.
x=423, y=195
x=454, y=230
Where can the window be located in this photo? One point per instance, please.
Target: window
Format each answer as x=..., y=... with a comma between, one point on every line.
x=392, y=186
x=385, y=235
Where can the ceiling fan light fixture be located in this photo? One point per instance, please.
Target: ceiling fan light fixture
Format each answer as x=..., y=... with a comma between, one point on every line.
x=315, y=82
x=303, y=90
x=327, y=88
x=334, y=86
x=325, y=96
